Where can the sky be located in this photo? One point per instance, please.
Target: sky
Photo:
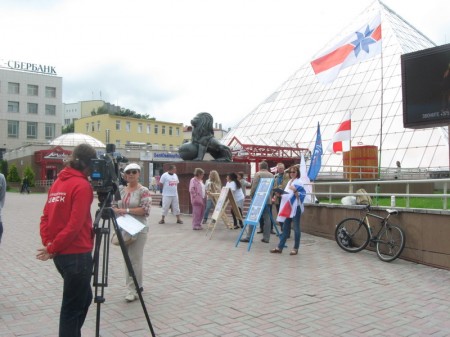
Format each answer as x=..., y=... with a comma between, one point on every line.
x=171, y=59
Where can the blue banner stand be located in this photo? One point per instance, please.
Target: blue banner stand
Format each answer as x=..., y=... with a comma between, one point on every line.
x=256, y=209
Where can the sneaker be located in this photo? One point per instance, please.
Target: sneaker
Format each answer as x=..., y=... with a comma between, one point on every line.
x=204, y=221
x=245, y=240
x=130, y=298
x=265, y=241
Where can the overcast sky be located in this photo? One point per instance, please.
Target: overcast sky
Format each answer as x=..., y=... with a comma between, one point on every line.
x=171, y=59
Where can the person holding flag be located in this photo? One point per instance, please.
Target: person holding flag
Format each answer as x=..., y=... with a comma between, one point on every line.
x=291, y=208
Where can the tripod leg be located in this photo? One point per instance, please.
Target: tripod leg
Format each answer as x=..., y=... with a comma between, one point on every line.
x=130, y=269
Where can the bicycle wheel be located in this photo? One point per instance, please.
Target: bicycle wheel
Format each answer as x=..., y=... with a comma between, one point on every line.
x=390, y=243
x=352, y=235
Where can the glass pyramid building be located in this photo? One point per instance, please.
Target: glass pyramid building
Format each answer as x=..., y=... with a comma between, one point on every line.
x=371, y=91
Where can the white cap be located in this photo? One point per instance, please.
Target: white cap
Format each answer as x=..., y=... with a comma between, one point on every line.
x=132, y=166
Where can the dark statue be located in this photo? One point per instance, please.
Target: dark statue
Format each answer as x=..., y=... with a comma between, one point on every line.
x=203, y=141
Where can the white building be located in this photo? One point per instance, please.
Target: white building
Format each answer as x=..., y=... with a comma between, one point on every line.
x=30, y=104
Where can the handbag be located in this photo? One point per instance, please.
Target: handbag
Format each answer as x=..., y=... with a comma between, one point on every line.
x=127, y=238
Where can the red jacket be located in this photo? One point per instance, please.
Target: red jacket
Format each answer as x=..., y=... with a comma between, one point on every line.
x=66, y=225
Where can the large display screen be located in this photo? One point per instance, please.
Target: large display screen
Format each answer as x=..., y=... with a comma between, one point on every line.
x=426, y=87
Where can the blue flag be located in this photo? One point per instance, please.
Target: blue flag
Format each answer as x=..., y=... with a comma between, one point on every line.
x=316, y=158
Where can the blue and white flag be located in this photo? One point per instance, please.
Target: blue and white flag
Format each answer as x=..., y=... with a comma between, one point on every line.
x=316, y=158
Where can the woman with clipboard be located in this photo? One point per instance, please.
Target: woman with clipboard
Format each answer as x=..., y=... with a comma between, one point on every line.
x=135, y=201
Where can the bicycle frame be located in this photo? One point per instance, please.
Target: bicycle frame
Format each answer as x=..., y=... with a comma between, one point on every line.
x=383, y=222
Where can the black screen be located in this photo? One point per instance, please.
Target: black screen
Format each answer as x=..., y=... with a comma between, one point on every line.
x=426, y=87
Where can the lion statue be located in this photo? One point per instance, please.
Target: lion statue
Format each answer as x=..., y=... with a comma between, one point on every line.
x=203, y=141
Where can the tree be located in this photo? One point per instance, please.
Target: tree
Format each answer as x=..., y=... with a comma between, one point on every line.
x=29, y=173
x=13, y=175
x=68, y=128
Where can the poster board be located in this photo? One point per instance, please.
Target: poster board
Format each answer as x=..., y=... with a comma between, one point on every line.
x=225, y=197
x=259, y=201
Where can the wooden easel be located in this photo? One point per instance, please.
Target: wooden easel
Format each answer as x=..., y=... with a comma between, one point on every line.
x=221, y=201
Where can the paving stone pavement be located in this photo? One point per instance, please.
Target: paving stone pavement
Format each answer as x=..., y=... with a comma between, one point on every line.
x=195, y=286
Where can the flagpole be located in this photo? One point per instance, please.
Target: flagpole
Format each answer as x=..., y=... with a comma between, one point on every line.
x=381, y=112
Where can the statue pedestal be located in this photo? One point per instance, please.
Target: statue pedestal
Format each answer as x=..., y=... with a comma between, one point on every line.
x=185, y=172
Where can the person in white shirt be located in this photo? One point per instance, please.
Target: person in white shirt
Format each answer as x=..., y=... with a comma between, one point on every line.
x=169, y=185
x=235, y=187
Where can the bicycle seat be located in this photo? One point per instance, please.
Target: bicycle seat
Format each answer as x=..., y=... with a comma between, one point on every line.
x=392, y=211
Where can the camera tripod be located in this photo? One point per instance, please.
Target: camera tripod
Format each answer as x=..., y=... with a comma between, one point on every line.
x=101, y=257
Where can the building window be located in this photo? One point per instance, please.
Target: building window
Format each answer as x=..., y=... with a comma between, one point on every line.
x=163, y=146
x=32, y=108
x=171, y=147
x=33, y=90
x=67, y=121
x=87, y=127
x=13, y=129
x=50, y=92
x=13, y=106
x=49, y=130
x=128, y=126
x=156, y=129
x=98, y=125
x=139, y=128
x=92, y=126
x=31, y=130
x=117, y=143
x=149, y=128
x=178, y=131
x=170, y=131
x=50, y=110
x=163, y=130
x=118, y=125
x=13, y=88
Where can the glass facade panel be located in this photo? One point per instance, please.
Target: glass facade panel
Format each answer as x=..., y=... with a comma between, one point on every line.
x=13, y=129
x=32, y=90
x=31, y=130
x=49, y=130
x=50, y=110
x=32, y=108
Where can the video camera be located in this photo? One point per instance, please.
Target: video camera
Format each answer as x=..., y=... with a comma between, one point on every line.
x=105, y=171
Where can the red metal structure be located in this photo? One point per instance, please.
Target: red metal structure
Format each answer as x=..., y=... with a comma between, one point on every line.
x=253, y=153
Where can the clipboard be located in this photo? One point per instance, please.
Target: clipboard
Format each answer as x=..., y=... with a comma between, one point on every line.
x=129, y=224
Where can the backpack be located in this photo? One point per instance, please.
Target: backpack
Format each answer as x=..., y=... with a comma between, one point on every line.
x=362, y=198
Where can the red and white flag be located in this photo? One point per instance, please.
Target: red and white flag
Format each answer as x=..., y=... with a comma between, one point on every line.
x=341, y=141
x=356, y=47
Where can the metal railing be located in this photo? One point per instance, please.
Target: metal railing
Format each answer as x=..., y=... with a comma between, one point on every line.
x=407, y=195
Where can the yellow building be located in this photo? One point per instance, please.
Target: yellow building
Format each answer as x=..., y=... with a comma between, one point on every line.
x=129, y=132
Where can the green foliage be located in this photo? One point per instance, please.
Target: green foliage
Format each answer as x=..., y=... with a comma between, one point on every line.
x=13, y=174
x=103, y=110
x=425, y=203
x=68, y=129
x=29, y=173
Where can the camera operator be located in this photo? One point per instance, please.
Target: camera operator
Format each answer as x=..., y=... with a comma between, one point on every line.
x=67, y=237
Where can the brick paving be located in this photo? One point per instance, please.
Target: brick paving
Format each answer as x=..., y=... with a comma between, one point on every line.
x=199, y=287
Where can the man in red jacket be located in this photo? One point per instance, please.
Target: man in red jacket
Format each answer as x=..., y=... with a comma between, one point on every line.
x=68, y=238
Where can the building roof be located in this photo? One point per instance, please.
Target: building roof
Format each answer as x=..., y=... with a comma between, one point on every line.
x=370, y=91
x=74, y=139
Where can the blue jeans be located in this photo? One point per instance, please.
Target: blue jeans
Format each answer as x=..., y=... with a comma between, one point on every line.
x=76, y=271
x=209, y=205
x=287, y=230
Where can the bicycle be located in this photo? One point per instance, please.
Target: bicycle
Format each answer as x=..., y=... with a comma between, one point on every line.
x=353, y=235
